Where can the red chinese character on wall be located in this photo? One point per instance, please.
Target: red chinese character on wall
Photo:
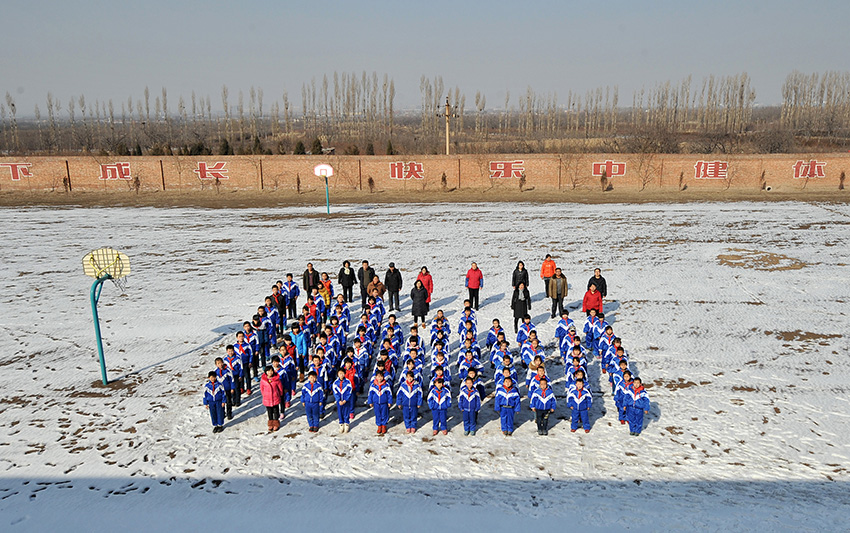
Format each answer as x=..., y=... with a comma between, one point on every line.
x=115, y=171
x=711, y=170
x=18, y=170
x=406, y=171
x=809, y=169
x=507, y=169
x=214, y=172
x=612, y=169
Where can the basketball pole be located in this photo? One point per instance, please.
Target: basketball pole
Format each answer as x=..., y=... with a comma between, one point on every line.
x=327, y=195
x=96, y=288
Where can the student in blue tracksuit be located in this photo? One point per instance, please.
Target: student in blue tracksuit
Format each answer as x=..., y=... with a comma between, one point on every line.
x=564, y=325
x=380, y=398
x=493, y=333
x=301, y=339
x=409, y=398
x=291, y=290
x=525, y=328
x=273, y=315
x=343, y=395
x=439, y=400
x=469, y=402
x=637, y=404
x=313, y=398
x=507, y=404
x=234, y=363
x=215, y=401
x=225, y=377
x=620, y=384
x=543, y=404
x=259, y=323
x=579, y=400
x=245, y=352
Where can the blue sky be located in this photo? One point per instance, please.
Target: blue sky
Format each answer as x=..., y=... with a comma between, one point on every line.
x=113, y=49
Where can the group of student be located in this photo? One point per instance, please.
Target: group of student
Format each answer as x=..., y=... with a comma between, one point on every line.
x=339, y=360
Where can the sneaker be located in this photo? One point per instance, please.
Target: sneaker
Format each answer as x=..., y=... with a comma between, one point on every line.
x=472, y=433
x=413, y=430
x=572, y=431
x=632, y=433
x=505, y=433
x=346, y=428
x=286, y=405
x=342, y=428
x=622, y=422
x=510, y=433
x=379, y=430
x=539, y=431
x=545, y=432
x=465, y=433
x=248, y=392
x=445, y=432
x=587, y=431
x=435, y=432
x=351, y=416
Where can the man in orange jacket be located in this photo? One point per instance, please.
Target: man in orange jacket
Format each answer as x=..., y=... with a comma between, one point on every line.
x=547, y=271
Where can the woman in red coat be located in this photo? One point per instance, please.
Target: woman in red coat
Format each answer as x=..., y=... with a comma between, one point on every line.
x=592, y=300
x=272, y=391
x=425, y=278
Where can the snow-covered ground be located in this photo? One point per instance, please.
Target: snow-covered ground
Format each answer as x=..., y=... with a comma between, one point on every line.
x=734, y=313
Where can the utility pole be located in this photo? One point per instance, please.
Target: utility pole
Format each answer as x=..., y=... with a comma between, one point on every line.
x=448, y=113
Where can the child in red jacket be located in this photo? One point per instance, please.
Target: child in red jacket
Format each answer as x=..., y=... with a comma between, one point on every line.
x=272, y=391
x=592, y=300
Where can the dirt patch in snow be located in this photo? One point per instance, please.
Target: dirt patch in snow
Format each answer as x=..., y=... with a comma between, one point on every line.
x=758, y=260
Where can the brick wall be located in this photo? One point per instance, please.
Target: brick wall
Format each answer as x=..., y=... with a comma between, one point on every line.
x=425, y=173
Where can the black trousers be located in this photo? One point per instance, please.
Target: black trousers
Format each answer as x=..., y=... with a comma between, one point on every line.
x=542, y=419
x=417, y=317
x=393, y=297
x=348, y=293
x=273, y=412
x=293, y=308
x=237, y=392
x=557, y=306
x=228, y=407
x=516, y=324
x=363, y=297
x=473, y=298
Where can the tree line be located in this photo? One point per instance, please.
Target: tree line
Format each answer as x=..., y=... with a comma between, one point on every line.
x=355, y=114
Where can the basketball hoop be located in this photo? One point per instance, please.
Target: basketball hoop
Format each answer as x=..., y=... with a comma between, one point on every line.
x=107, y=262
x=104, y=264
x=325, y=171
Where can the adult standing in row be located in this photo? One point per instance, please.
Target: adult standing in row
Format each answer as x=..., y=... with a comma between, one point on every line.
x=393, y=283
x=365, y=275
x=599, y=281
x=547, y=270
x=419, y=295
x=520, y=303
x=520, y=275
x=428, y=282
x=346, y=278
x=557, y=290
x=474, y=283
x=311, y=279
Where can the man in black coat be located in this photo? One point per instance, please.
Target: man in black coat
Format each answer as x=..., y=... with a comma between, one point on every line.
x=393, y=283
x=600, y=283
x=365, y=274
x=311, y=279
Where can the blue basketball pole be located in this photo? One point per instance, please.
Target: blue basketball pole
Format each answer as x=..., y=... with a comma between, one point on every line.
x=327, y=196
x=96, y=288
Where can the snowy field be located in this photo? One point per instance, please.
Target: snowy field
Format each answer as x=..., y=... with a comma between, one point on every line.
x=734, y=314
